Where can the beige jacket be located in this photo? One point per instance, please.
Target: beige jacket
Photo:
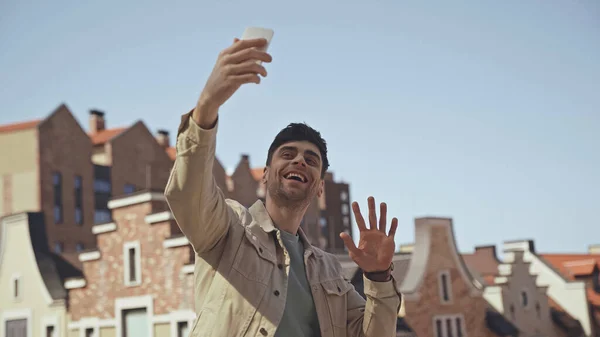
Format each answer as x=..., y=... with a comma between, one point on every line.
x=242, y=266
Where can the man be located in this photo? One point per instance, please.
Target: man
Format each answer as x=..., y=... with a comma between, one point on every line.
x=256, y=274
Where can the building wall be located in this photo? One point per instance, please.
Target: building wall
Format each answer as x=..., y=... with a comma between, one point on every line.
x=244, y=185
x=19, y=174
x=133, y=151
x=66, y=149
x=337, y=214
x=165, y=287
x=526, y=304
x=570, y=295
x=17, y=261
x=425, y=304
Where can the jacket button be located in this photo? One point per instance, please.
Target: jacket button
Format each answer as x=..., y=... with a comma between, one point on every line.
x=263, y=331
x=276, y=292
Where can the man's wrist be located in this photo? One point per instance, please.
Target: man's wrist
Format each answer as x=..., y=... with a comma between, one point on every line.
x=381, y=276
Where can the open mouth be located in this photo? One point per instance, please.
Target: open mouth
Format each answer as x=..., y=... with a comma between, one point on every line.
x=296, y=176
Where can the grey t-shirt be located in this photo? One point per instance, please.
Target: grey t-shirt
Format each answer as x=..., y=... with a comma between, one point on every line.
x=300, y=315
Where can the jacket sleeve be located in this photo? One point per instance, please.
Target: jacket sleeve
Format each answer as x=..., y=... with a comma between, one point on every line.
x=378, y=316
x=197, y=203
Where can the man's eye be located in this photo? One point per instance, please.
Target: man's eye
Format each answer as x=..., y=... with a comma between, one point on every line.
x=286, y=155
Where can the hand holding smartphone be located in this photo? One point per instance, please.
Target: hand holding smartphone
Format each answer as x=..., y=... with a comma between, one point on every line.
x=259, y=33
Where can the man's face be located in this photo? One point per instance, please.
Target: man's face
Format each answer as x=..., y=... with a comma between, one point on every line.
x=294, y=176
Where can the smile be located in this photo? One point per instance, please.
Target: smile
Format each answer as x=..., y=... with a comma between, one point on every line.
x=296, y=176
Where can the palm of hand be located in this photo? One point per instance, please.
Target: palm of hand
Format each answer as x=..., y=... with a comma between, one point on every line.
x=375, y=248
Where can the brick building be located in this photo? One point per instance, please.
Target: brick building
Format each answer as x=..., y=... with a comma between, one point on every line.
x=46, y=168
x=126, y=159
x=441, y=297
x=139, y=281
x=513, y=291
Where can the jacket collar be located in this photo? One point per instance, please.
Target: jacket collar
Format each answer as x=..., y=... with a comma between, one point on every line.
x=263, y=220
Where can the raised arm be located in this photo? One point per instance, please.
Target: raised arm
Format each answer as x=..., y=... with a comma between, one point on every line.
x=197, y=203
x=378, y=315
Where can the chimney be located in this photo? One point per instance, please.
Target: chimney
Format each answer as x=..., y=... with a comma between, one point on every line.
x=245, y=157
x=97, y=122
x=489, y=251
x=163, y=138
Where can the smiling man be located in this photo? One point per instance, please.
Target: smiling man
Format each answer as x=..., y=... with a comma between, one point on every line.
x=256, y=273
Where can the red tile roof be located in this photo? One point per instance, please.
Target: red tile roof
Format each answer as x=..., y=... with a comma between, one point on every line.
x=171, y=152
x=103, y=136
x=257, y=173
x=573, y=265
x=19, y=126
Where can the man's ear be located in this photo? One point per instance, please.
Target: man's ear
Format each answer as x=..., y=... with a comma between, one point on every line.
x=321, y=188
x=264, y=176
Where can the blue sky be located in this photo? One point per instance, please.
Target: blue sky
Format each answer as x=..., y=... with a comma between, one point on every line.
x=484, y=111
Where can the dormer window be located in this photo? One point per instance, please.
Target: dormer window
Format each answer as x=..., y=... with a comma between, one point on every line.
x=524, y=299
x=445, y=287
x=16, y=287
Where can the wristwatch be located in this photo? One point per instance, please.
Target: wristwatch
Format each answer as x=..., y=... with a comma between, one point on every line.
x=381, y=276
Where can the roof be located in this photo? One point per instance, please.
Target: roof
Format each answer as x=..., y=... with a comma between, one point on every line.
x=499, y=324
x=564, y=320
x=355, y=274
x=19, y=126
x=572, y=266
x=104, y=136
x=257, y=173
x=483, y=264
x=171, y=152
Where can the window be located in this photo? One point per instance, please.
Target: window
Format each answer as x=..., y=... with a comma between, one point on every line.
x=512, y=311
x=16, y=327
x=16, y=287
x=57, y=189
x=445, y=289
x=78, y=201
x=102, y=186
x=50, y=331
x=345, y=209
x=89, y=332
x=346, y=221
x=129, y=188
x=449, y=326
x=182, y=329
x=58, y=247
x=344, y=196
x=102, y=216
x=524, y=299
x=322, y=221
x=131, y=256
x=135, y=322
x=79, y=247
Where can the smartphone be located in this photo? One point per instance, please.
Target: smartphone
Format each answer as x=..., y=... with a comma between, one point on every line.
x=258, y=33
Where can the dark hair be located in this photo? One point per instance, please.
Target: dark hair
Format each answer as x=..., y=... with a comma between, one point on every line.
x=297, y=132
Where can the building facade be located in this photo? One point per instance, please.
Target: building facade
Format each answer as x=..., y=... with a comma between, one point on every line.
x=139, y=281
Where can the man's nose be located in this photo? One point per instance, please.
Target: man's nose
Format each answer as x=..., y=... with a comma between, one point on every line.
x=299, y=161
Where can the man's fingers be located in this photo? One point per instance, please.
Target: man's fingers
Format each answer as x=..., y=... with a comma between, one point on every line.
x=245, y=78
x=382, y=217
x=360, y=221
x=372, y=214
x=248, y=67
x=349, y=243
x=393, y=227
x=244, y=44
x=247, y=54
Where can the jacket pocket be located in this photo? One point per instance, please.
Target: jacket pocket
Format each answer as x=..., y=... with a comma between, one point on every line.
x=336, y=292
x=253, y=261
